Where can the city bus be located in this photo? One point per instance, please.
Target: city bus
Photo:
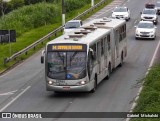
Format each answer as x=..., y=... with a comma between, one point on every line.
x=78, y=61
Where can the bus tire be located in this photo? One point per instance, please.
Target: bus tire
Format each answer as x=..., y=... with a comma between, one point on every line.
x=95, y=85
x=121, y=63
x=109, y=71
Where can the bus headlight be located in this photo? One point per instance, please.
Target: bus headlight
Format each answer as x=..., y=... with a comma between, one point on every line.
x=82, y=83
x=50, y=82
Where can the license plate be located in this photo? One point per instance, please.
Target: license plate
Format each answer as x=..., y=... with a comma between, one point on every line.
x=60, y=82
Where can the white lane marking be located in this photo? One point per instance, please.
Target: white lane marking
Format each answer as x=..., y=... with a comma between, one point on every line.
x=114, y=4
x=140, y=89
x=135, y=22
x=8, y=93
x=109, y=6
x=154, y=56
x=14, y=99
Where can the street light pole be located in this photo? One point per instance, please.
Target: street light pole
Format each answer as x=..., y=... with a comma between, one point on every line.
x=63, y=13
x=92, y=3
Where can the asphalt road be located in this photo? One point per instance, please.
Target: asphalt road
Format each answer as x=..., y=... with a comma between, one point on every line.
x=23, y=88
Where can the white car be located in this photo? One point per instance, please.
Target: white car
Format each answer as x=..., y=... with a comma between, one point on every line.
x=145, y=29
x=71, y=25
x=121, y=13
x=149, y=15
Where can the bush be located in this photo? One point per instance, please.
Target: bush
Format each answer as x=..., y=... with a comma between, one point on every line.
x=29, y=17
x=5, y=7
x=28, y=2
x=71, y=5
x=36, y=15
x=17, y=3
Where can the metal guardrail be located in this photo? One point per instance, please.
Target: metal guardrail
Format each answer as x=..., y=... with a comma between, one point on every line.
x=33, y=45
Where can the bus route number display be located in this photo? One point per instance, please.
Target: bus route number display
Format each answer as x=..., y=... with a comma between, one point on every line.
x=68, y=47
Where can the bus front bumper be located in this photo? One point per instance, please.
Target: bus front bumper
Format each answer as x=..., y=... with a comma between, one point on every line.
x=81, y=88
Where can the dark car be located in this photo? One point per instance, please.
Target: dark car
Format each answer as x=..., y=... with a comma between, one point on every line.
x=150, y=6
x=158, y=7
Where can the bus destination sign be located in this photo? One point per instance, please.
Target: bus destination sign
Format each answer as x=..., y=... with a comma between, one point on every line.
x=67, y=47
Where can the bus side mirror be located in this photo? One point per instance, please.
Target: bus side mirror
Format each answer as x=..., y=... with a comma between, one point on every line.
x=93, y=55
x=140, y=12
x=42, y=56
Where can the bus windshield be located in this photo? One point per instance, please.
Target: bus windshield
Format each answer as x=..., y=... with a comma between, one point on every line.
x=66, y=65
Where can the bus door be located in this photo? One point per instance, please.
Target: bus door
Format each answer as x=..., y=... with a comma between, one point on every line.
x=107, y=44
x=102, y=55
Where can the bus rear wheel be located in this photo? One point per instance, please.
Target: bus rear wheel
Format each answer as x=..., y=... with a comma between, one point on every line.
x=121, y=63
x=109, y=72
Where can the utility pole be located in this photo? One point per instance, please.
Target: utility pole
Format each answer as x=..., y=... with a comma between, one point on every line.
x=92, y=3
x=63, y=13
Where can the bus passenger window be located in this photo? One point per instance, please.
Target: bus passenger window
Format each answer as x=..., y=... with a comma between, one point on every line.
x=108, y=41
x=102, y=47
x=105, y=45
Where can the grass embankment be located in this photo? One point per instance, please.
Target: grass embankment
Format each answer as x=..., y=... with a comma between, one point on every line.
x=30, y=33
x=149, y=100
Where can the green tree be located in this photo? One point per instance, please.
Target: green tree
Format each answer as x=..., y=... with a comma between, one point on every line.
x=17, y=3
x=28, y=2
x=5, y=7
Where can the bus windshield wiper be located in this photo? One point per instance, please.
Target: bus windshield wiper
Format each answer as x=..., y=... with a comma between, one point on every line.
x=61, y=57
x=71, y=58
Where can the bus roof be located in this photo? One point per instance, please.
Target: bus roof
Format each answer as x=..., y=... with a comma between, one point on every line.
x=97, y=29
x=109, y=22
x=85, y=38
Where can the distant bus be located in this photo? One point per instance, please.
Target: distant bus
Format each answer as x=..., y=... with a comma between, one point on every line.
x=81, y=59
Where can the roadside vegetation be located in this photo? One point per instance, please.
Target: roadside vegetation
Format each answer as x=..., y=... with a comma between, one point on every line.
x=149, y=100
x=33, y=22
x=29, y=17
x=6, y=6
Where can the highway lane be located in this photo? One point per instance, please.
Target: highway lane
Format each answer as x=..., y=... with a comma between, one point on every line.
x=115, y=94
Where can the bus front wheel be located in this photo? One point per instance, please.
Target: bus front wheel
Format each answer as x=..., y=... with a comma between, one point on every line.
x=95, y=85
